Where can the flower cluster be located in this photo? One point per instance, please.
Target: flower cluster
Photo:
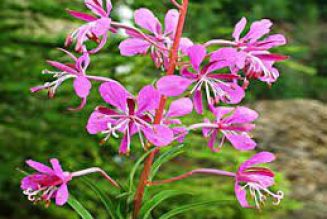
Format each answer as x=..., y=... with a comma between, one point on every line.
x=207, y=79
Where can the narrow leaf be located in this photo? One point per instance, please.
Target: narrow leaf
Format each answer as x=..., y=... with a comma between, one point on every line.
x=193, y=206
x=165, y=157
x=156, y=200
x=79, y=208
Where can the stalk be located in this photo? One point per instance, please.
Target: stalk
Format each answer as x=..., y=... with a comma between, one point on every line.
x=173, y=57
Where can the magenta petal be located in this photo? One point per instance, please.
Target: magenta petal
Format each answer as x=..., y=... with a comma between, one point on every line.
x=171, y=21
x=62, y=195
x=125, y=143
x=96, y=8
x=197, y=53
x=272, y=41
x=159, y=135
x=180, y=133
x=212, y=140
x=173, y=85
x=57, y=168
x=239, y=27
x=40, y=167
x=180, y=107
x=185, y=44
x=220, y=112
x=272, y=57
x=134, y=46
x=235, y=93
x=242, y=115
x=82, y=16
x=62, y=67
x=241, y=142
x=82, y=86
x=205, y=131
x=197, y=100
x=148, y=99
x=258, y=29
x=115, y=94
x=259, y=158
x=102, y=26
x=241, y=195
x=146, y=19
x=97, y=123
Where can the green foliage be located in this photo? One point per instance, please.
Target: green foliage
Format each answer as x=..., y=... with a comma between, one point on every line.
x=79, y=208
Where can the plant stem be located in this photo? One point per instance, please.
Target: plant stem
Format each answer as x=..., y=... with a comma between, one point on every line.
x=173, y=56
x=188, y=174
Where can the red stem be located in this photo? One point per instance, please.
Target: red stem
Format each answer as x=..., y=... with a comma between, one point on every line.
x=173, y=57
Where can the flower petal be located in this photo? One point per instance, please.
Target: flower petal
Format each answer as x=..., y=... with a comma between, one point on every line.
x=146, y=19
x=115, y=94
x=125, y=143
x=96, y=7
x=259, y=158
x=185, y=44
x=272, y=41
x=62, y=67
x=242, y=115
x=241, y=195
x=40, y=167
x=241, y=142
x=159, y=135
x=82, y=16
x=134, y=46
x=171, y=21
x=180, y=107
x=212, y=140
x=98, y=122
x=197, y=53
x=57, y=168
x=239, y=27
x=173, y=85
x=180, y=133
x=82, y=86
x=258, y=29
x=197, y=100
x=62, y=195
x=232, y=93
x=148, y=99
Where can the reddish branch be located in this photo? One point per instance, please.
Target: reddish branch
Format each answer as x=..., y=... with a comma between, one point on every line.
x=173, y=57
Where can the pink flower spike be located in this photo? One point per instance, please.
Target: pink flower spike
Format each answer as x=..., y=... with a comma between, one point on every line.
x=48, y=183
x=257, y=179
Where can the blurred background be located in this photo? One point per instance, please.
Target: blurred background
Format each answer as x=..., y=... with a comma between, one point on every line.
x=292, y=123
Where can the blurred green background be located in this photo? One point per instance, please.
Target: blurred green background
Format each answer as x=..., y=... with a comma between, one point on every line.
x=31, y=126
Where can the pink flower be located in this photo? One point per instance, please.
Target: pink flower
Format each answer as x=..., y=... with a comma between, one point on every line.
x=159, y=41
x=82, y=85
x=250, y=53
x=222, y=86
x=178, y=108
x=232, y=124
x=132, y=115
x=97, y=27
x=257, y=180
x=48, y=183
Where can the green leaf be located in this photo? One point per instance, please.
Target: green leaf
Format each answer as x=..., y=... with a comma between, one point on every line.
x=148, y=206
x=165, y=157
x=103, y=198
x=79, y=208
x=193, y=206
x=135, y=167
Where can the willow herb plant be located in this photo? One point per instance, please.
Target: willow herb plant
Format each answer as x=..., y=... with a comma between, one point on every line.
x=196, y=78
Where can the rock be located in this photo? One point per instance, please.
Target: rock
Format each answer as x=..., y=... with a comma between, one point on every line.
x=296, y=130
